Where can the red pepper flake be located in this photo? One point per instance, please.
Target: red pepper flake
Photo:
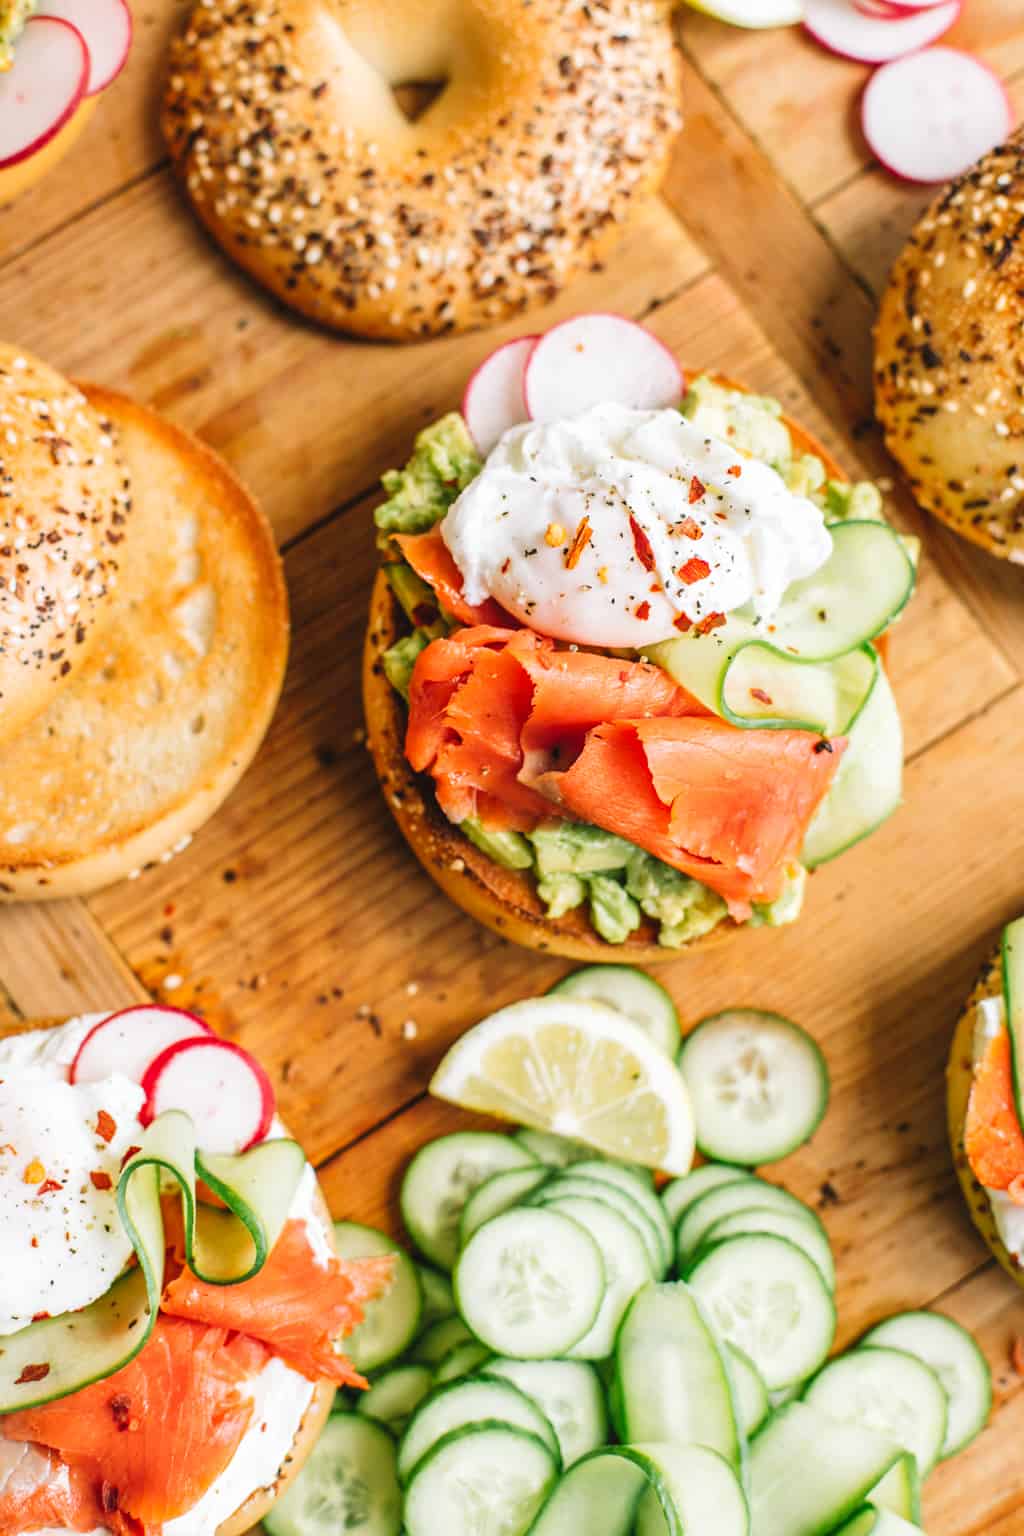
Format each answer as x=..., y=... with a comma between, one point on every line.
x=697, y=490
x=40, y=1317
x=106, y=1126
x=688, y=527
x=121, y=1411
x=505, y=565
x=7, y=1147
x=48, y=1187
x=642, y=545
x=129, y=1155
x=32, y=1373
x=695, y=569
x=735, y=470
x=643, y=610
x=101, y=1180
x=580, y=540
x=711, y=621
x=34, y=1242
x=760, y=695
x=681, y=622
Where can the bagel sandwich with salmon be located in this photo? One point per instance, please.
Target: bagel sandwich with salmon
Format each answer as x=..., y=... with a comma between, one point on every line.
x=143, y=633
x=621, y=682
x=171, y=1304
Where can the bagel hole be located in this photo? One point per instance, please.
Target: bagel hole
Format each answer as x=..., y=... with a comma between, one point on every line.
x=415, y=97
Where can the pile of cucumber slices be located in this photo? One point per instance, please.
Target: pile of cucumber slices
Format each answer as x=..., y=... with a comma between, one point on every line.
x=578, y=1353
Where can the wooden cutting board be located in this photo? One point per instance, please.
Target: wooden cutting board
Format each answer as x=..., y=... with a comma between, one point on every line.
x=297, y=919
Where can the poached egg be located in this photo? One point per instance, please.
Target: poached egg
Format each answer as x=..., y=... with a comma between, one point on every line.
x=622, y=527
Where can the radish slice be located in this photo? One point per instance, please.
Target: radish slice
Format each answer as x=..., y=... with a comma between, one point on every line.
x=494, y=398
x=42, y=88
x=106, y=26
x=128, y=1041
x=224, y=1090
x=929, y=117
x=841, y=28
x=596, y=359
x=881, y=9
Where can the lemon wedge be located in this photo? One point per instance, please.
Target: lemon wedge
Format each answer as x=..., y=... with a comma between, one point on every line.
x=752, y=13
x=577, y=1069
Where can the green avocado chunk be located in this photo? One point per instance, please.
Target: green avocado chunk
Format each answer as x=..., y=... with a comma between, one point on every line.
x=399, y=659
x=684, y=908
x=417, y=600
x=443, y=463
x=13, y=16
x=560, y=893
x=751, y=422
x=787, y=906
x=509, y=849
x=613, y=911
x=859, y=502
x=574, y=847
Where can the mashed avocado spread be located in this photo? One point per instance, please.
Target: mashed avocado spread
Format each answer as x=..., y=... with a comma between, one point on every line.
x=573, y=863
x=13, y=16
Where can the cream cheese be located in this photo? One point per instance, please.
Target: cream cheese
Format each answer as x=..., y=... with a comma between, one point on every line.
x=620, y=527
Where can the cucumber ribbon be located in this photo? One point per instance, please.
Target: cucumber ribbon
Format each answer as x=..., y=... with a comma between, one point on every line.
x=56, y=1356
x=813, y=667
x=652, y=1489
x=1012, y=956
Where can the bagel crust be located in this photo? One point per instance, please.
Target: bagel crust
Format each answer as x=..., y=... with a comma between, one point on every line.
x=949, y=355
x=959, y=1078
x=504, y=900
x=555, y=116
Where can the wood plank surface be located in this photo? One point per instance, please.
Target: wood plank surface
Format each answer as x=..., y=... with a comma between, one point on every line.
x=298, y=921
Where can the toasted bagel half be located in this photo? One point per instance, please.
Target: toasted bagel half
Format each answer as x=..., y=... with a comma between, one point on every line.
x=504, y=900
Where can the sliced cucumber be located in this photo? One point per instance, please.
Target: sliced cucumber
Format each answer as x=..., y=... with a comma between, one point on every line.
x=598, y=1189
x=758, y=1085
x=809, y=1473
x=498, y=1193
x=480, y=1480
x=740, y=1195
x=871, y=1521
x=899, y=1491
x=441, y=1178
x=395, y=1396
x=392, y=1321
x=1012, y=952
x=657, y=1489
x=555, y=1151
x=631, y=992
x=530, y=1283
x=568, y=1393
x=679, y=1194
x=461, y=1361
x=674, y=1378
x=627, y=1269
x=438, y=1296
x=768, y=1298
x=890, y=1392
x=957, y=1362
x=868, y=786
x=802, y=1234
x=751, y=1394
x=349, y=1483
x=640, y=1193
x=487, y=1400
x=439, y=1339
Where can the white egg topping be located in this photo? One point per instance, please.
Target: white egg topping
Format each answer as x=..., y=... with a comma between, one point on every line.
x=620, y=527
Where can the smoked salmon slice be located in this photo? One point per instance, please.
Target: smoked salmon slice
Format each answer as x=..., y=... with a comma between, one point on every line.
x=430, y=558
x=296, y=1307
x=152, y=1438
x=514, y=731
x=993, y=1139
x=38, y=1490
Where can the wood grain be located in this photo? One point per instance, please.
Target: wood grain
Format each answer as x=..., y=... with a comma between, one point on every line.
x=297, y=919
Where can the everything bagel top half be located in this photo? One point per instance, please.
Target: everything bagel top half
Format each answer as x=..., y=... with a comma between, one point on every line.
x=282, y=122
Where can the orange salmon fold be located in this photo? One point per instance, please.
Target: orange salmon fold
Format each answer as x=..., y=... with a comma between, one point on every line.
x=515, y=731
x=430, y=558
x=295, y=1307
x=993, y=1139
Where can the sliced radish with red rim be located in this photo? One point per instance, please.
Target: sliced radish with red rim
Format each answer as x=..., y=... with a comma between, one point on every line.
x=41, y=90
x=127, y=1042
x=929, y=117
x=596, y=359
x=225, y=1091
x=495, y=398
x=106, y=26
x=839, y=26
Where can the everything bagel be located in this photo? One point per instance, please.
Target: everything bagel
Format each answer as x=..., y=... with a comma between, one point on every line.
x=555, y=115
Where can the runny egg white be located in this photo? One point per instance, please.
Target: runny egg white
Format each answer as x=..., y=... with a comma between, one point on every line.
x=61, y=1150
x=621, y=528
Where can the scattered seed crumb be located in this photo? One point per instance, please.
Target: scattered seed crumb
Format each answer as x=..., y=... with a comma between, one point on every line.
x=412, y=988
x=325, y=754
x=167, y=936
x=410, y=1029
x=229, y=876
x=172, y=983
x=358, y=736
x=363, y=1011
x=828, y=1194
